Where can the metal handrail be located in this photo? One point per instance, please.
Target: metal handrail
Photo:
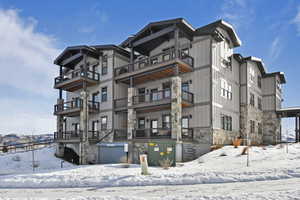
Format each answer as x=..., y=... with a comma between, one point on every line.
x=187, y=96
x=154, y=60
x=77, y=73
x=152, y=96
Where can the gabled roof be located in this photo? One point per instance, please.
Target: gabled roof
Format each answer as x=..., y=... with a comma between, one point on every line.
x=280, y=74
x=72, y=50
x=211, y=28
x=260, y=65
x=112, y=47
x=180, y=22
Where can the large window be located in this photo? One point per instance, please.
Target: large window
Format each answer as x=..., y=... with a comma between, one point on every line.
x=104, y=123
x=166, y=121
x=259, y=81
x=252, y=101
x=103, y=94
x=259, y=126
x=251, y=74
x=104, y=65
x=226, y=122
x=252, y=126
x=259, y=104
x=226, y=89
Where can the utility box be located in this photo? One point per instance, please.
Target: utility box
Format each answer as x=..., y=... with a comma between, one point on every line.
x=161, y=150
x=112, y=153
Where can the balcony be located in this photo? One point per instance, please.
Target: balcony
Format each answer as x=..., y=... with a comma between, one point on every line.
x=162, y=133
x=154, y=133
x=76, y=136
x=155, y=67
x=75, y=79
x=72, y=108
x=187, y=98
x=120, y=135
x=121, y=104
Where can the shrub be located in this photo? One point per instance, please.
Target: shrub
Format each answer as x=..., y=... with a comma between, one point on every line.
x=165, y=163
x=236, y=142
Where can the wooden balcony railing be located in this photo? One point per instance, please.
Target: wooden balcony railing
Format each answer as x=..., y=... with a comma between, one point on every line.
x=162, y=57
x=75, y=74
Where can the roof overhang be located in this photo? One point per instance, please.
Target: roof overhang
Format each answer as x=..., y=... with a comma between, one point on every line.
x=279, y=74
x=259, y=63
x=74, y=54
x=288, y=112
x=211, y=29
x=112, y=47
x=159, y=25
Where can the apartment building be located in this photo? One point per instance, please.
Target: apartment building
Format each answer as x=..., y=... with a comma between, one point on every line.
x=168, y=90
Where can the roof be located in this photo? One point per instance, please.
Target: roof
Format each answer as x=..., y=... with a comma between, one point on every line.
x=259, y=63
x=180, y=22
x=69, y=51
x=289, y=112
x=280, y=74
x=210, y=29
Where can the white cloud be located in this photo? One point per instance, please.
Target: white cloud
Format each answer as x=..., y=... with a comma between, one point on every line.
x=26, y=58
x=237, y=12
x=275, y=49
x=296, y=21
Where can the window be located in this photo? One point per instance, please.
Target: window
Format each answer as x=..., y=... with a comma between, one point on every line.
x=226, y=122
x=103, y=94
x=154, y=126
x=259, y=105
x=95, y=126
x=154, y=61
x=259, y=81
x=252, y=101
x=141, y=123
x=166, y=121
x=185, y=125
x=251, y=74
x=154, y=94
x=185, y=52
x=104, y=65
x=104, y=123
x=252, y=126
x=185, y=86
x=259, y=126
x=76, y=127
x=226, y=89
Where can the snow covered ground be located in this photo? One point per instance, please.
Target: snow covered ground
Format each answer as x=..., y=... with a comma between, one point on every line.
x=20, y=163
x=266, y=165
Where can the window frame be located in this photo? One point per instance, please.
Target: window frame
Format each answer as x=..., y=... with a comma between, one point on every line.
x=104, y=125
x=104, y=94
x=104, y=68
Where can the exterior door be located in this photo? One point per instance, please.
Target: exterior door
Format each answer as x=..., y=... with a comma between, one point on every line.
x=141, y=93
x=154, y=127
x=167, y=90
x=141, y=127
x=185, y=126
x=154, y=94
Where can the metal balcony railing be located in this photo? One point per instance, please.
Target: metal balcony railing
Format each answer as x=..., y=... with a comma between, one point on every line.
x=160, y=58
x=152, y=133
x=187, y=96
x=75, y=103
x=75, y=74
x=120, y=134
x=152, y=97
x=121, y=103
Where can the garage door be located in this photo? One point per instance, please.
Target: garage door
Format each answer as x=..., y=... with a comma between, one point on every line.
x=111, y=153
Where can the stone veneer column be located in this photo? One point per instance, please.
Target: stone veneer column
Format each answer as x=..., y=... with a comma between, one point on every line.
x=59, y=128
x=176, y=115
x=176, y=108
x=84, y=142
x=131, y=117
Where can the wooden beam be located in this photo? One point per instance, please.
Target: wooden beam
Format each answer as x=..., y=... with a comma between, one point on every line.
x=72, y=58
x=153, y=36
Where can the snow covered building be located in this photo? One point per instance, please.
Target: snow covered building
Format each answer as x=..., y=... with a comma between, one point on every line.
x=168, y=84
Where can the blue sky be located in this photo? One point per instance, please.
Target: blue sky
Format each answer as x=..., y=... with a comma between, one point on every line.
x=34, y=32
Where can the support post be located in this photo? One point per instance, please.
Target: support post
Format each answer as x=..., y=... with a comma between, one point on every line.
x=61, y=76
x=298, y=139
x=59, y=128
x=84, y=142
x=176, y=42
x=131, y=117
x=176, y=115
x=296, y=129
